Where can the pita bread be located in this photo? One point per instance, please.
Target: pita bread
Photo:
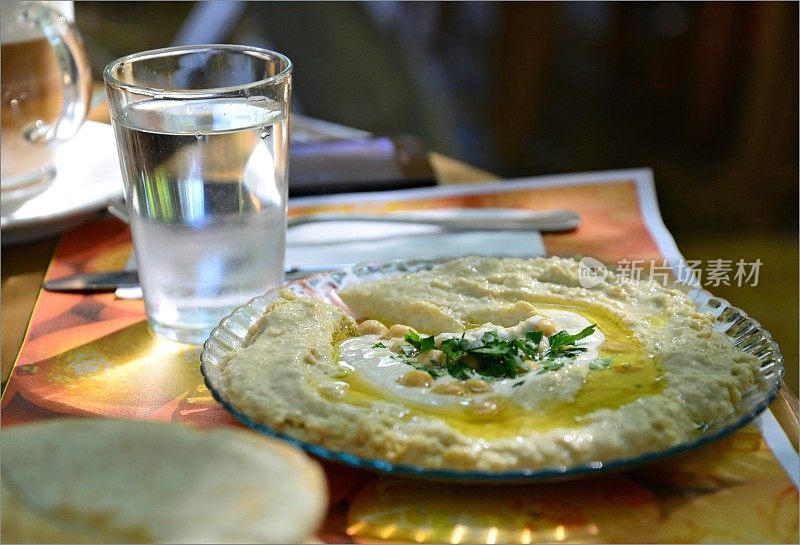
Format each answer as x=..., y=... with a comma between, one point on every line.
x=106, y=481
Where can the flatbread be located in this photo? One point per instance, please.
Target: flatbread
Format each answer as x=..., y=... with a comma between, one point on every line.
x=107, y=481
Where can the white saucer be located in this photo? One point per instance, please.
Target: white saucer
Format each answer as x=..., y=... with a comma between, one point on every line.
x=87, y=177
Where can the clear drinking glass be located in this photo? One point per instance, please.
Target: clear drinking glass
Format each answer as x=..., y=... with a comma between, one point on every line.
x=203, y=140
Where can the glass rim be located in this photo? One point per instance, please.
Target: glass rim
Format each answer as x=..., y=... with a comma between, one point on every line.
x=183, y=93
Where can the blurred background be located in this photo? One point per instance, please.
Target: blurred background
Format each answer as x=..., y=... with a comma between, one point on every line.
x=705, y=93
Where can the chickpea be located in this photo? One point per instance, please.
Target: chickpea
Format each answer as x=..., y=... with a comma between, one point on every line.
x=471, y=361
x=397, y=330
x=546, y=326
x=449, y=388
x=532, y=365
x=416, y=378
x=432, y=354
x=477, y=385
x=371, y=327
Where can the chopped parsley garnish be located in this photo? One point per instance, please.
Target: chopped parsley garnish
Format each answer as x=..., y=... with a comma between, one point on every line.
x=494, y=358
x=550, y=365
x=422, y=344
x=379, y=344
x=459, y=370
x=409, y=351
x=563, y=344
x=430, y=367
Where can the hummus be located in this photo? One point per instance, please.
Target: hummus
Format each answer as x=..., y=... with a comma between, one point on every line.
x=491, y=364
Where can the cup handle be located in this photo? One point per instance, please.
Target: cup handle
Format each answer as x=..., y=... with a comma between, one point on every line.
x=76, y=75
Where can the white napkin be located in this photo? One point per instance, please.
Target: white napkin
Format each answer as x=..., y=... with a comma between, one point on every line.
x=347, y=242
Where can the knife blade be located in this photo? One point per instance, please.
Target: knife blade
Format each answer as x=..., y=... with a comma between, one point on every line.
x=103, y=281
x=111, y=280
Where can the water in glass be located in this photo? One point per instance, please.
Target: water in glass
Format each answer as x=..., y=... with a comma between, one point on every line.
x=206, y=191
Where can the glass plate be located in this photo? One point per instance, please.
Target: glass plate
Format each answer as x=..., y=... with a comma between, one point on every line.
x=746, y=334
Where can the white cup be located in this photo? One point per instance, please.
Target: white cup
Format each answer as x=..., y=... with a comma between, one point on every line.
x=46, y=90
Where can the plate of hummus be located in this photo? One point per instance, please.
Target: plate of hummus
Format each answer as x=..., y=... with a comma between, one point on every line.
x=490, y=369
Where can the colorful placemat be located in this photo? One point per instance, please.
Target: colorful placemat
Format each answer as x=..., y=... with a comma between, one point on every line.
x=93, y=355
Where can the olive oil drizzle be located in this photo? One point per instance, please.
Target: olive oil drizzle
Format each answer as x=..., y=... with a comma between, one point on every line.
x=633, y=374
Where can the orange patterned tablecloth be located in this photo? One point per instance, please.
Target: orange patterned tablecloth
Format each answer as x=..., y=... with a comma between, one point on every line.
x=93, y=355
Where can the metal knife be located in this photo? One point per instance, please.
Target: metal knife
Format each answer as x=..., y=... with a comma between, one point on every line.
x=111, y=280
